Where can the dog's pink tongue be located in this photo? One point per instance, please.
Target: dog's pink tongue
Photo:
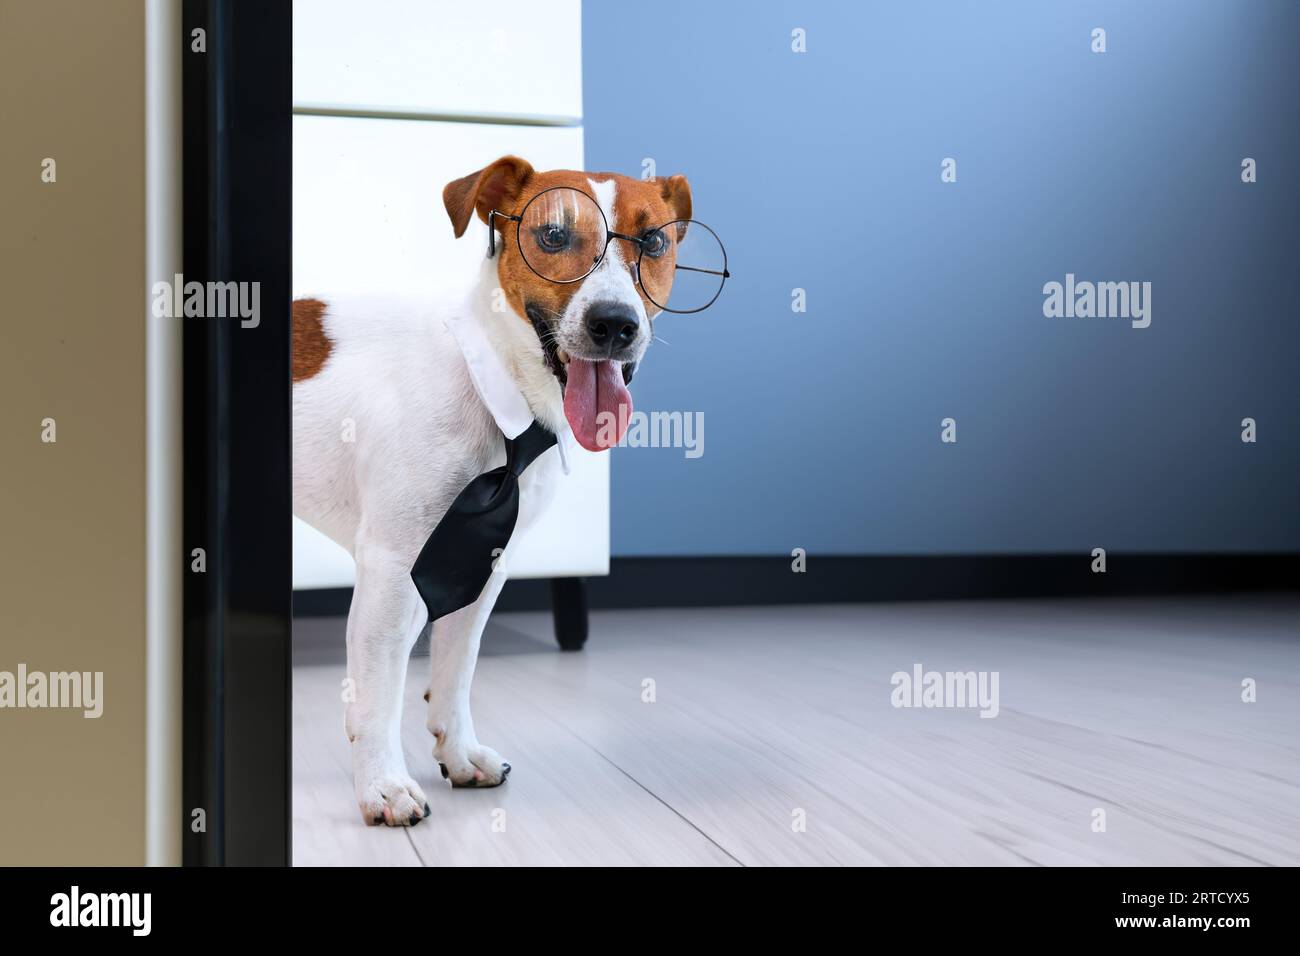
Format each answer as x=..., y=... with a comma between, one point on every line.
x=596, y=403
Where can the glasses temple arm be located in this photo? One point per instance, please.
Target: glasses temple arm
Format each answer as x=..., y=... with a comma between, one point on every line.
x=492, y=229
x=713, y=272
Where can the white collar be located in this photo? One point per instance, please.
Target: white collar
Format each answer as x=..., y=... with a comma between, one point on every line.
x=496, y=388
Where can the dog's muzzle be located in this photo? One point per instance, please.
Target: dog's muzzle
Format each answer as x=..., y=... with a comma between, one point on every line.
x=551, y=351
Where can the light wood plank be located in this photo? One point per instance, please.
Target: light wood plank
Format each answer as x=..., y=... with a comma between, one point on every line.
x=327, y=826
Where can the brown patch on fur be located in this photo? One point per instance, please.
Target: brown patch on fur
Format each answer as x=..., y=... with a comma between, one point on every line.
x=640, y=205
x=311, y=346
x=507, y=186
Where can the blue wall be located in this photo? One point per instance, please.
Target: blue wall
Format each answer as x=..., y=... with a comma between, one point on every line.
x=924, y=300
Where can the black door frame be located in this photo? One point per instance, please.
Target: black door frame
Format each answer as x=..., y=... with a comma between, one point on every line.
x=237, y=182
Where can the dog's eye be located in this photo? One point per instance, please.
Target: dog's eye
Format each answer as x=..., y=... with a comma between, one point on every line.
x=552, y=237
x=654, y=243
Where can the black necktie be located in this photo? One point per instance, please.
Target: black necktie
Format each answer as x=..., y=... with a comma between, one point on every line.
x=457, y=560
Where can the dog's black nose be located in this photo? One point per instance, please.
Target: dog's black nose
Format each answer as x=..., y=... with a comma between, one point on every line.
x=612, y=325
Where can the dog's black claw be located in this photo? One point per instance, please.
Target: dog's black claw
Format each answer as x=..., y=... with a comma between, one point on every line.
x=427, y=811
x=426, y=696
x=415, y=821
x=505, y=770
x=443, y=768
x=379, y=820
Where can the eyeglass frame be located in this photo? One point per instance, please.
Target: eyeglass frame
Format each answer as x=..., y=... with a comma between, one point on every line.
x=494, y=214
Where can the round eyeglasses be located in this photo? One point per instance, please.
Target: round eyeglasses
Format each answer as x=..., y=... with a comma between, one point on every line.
x=563, y=237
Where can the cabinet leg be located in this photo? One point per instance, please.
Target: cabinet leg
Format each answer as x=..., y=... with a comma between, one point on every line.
x=569, y=610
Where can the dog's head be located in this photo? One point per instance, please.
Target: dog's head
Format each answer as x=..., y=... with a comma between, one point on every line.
x=572, y=248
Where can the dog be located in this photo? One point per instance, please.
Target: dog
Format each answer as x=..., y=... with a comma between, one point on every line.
x=398, y=405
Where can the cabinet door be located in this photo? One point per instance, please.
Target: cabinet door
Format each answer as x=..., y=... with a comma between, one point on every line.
x=368, y=215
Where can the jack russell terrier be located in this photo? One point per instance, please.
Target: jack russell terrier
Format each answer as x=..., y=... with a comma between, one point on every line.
x=428, y=395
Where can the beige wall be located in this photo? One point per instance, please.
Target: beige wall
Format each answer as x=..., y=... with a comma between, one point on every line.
x=73, y=347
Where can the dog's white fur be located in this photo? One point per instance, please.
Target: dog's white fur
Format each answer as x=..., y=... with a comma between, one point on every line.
x=396, y=381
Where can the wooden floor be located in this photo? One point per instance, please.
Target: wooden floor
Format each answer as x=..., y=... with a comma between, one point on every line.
x=764, y=715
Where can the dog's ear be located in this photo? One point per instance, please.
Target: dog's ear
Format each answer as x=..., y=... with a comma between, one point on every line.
x=676, y=192
x=485, y=190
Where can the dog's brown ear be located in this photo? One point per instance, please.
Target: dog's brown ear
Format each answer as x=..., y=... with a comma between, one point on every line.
x=676, y=192
x=484, y=191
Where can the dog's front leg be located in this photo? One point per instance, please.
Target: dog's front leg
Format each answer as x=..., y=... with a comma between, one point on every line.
x=453, y=647
x=385, y=619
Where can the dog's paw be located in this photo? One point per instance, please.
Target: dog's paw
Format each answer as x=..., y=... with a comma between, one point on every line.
x=393, y=800
x=471, y=766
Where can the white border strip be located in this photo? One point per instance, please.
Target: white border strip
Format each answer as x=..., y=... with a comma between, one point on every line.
x=163, y=548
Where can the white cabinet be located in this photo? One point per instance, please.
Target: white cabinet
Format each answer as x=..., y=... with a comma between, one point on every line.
x=367, y=205
x=505, y=59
